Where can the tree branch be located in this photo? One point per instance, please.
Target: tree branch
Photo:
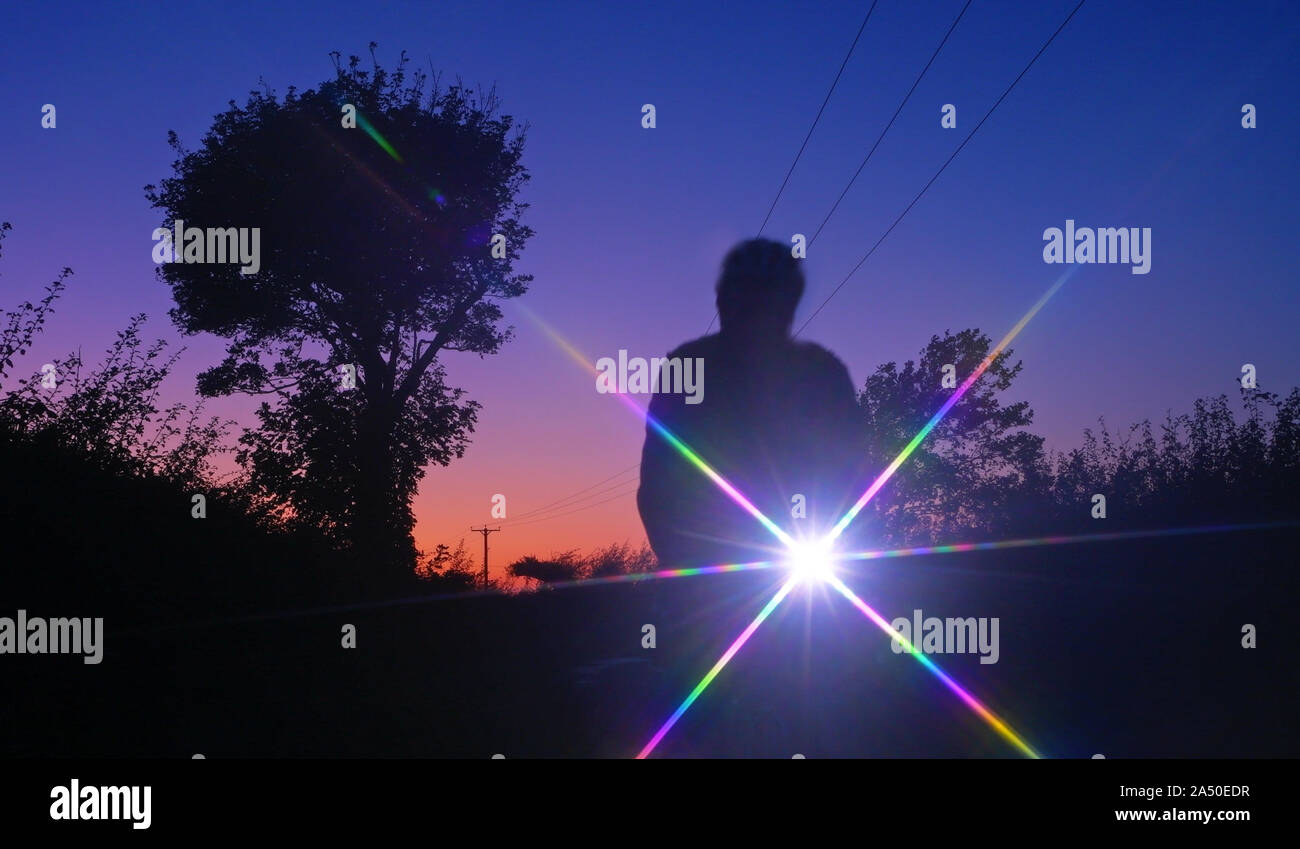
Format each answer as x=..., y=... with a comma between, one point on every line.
x=447, y=331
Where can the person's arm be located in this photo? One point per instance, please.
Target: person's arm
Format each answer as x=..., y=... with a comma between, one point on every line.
x=849, y=457
x=654, y=497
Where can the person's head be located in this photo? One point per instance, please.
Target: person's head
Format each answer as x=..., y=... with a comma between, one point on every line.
x=759, y=288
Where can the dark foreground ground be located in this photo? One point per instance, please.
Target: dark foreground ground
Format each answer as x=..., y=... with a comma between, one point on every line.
x=1126, y=649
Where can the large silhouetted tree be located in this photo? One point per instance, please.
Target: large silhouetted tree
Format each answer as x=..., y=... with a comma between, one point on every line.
x=377, y=252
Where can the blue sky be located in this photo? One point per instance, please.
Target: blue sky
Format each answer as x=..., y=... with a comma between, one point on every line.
x=1131, y=118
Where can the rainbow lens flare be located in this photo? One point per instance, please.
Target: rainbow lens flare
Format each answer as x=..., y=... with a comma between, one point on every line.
x=717, y=667
x=961, y=692
x=812, y=561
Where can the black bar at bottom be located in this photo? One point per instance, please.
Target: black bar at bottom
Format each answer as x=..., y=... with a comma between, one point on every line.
x=329, y=797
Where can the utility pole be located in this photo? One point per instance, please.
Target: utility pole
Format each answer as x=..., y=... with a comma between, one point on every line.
x=485, y=530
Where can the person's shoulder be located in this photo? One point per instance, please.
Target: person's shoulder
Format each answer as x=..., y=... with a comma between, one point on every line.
x=819, y=358
x=701, y=347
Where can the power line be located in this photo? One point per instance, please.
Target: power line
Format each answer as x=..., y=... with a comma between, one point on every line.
x=597, y=494
x=559, y=502
x=901, y=215
x=826, y=100
x=798, y=155
x=881, y=137
x=632, y=491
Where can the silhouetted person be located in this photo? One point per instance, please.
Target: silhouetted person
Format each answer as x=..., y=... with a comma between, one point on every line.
x=778, y=419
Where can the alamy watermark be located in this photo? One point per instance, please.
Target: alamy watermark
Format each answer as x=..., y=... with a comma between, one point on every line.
x=228, y=245
x=36, y=635
x=636, y=375
x=948, y=636
x=1124, y=245
x=91, y=802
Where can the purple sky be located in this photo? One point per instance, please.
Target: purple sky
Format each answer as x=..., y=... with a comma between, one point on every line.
x=1127, y=120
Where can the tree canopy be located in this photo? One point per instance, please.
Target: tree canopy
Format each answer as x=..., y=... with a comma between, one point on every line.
x=376, y=239
x=976, y=469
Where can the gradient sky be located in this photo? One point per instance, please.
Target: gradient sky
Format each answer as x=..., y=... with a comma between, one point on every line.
x=1131, y=118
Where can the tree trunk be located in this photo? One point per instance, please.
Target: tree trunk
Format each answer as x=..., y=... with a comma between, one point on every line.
x=379, y=535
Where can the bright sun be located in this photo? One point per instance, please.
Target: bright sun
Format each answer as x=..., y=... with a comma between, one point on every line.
x=811, y=561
